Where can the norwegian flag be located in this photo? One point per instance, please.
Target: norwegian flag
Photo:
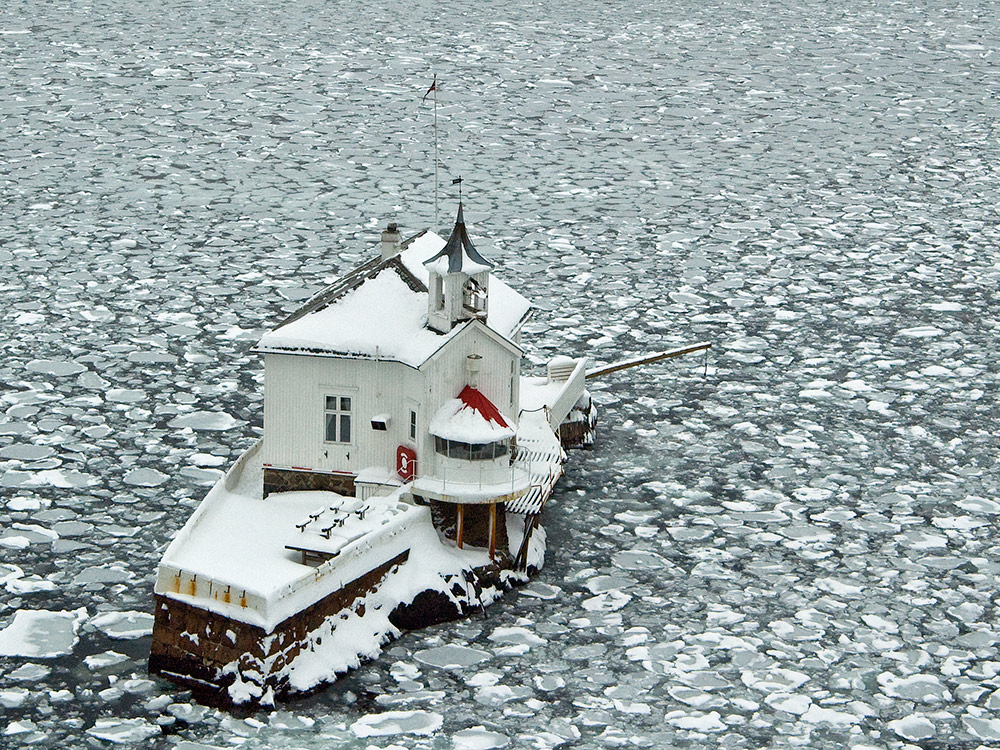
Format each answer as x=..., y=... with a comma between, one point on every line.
x=433, y=87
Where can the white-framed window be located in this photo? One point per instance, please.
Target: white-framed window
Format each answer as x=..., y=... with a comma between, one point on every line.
x=471, y=451
x=413, y=425
x=338, y=419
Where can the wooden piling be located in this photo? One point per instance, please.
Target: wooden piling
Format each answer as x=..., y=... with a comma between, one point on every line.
x=493, y=530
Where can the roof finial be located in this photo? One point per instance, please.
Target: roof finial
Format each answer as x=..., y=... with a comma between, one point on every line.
x=458, y=181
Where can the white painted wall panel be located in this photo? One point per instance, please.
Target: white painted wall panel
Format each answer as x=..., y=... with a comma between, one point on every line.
x=447, y=375
x=295, y=388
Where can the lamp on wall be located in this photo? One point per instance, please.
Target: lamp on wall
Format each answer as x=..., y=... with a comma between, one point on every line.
x=473, y=363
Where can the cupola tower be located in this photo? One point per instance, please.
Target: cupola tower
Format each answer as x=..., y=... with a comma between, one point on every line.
x=458, y=287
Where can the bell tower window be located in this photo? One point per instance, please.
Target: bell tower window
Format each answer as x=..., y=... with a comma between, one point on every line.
x=437, y=292
x=474, y=296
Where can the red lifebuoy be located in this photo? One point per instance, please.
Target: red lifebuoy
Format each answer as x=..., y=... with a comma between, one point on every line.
x=406, y=462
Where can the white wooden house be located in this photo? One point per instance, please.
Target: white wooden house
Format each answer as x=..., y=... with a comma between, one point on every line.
x=405, y=370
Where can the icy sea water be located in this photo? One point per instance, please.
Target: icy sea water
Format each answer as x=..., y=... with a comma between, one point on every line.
x=796, y=550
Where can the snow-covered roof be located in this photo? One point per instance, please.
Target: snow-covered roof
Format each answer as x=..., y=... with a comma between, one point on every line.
x=380, y=310
x=471, y=418
x=458, y=255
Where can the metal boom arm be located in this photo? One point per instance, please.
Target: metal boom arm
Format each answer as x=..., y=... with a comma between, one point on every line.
x=647, y=359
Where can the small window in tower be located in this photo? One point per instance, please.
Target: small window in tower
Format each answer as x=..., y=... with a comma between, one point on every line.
x=413, y=425
x=338, y=419
x=474, y=296
x=437, y=292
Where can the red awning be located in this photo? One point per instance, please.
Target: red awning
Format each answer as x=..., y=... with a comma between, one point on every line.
x=474, y=399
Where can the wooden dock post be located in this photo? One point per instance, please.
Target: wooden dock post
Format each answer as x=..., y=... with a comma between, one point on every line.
x=493, y=530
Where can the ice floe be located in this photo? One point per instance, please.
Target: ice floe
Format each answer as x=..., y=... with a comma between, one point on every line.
x=478, y=738
x=913, y=728
x=55, y=367
x=451, y=656
x=123, y=625
x=397, y=722
x=206, y=421
x=41, y=633
x=145, y=477
x=123, y=731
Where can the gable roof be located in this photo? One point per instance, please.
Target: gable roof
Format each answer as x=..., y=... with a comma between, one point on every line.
x=355, y=278
x=379, y=310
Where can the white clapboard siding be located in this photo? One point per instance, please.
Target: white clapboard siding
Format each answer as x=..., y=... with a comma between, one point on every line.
x=447, y=374
x=295, y=387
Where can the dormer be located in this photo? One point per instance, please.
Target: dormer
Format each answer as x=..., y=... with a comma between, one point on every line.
x=458, y=287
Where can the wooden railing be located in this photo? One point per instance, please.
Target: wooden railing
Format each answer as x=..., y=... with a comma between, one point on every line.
x=571, y=391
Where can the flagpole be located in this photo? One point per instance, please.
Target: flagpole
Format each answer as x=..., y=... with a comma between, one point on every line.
x=434, y=90
x=435, y=154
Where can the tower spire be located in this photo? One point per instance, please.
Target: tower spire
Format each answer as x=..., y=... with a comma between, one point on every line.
x=461, y=253
x=459, y=278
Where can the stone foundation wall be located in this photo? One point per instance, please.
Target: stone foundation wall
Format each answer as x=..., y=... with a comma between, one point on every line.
x=573, y=434
x=286, y=480
x=467, y=591
x=191, y=645
x=578, y=429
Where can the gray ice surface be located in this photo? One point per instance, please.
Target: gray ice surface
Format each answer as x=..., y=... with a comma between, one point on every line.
x=796, y=549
